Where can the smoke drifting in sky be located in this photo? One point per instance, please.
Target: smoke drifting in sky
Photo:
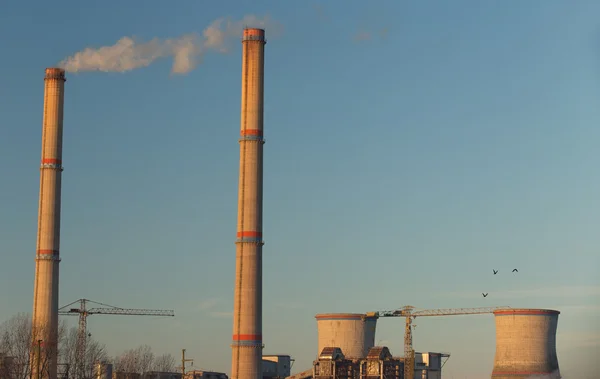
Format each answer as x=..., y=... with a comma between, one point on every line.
x=128, y=54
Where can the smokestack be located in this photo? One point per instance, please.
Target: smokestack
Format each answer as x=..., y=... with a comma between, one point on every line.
x=247, y=342
x=45, y=293
x=526, y=344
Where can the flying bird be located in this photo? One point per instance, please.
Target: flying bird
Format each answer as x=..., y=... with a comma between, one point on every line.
x=484, y=294
x=495, y=271
x=515, y=270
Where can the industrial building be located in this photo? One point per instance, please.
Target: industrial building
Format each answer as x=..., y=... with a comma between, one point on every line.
x=355, y=333
x=429, y=365
x=276, y=366
x=378, y=363
x=103, y=370
x=200, y=374
x=273, y=366
x=7, y=366
x=126, y=375
x=526, y=344
x=194, y=374
x=161, y=375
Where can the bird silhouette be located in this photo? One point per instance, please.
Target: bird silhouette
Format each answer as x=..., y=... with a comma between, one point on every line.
x=484, y=294
x=495, y=271
x=515, y=270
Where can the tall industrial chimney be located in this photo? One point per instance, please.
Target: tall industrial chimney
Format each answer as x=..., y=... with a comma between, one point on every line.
x=45, y=293
x=247, y=342
x=526, y=344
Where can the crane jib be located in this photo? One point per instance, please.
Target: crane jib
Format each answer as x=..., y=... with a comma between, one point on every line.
x=104, y=309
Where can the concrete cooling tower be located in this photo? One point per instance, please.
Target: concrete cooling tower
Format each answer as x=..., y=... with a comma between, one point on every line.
x=526, y=344
x=354, y=333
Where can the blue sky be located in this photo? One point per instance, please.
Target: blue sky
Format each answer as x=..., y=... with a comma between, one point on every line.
x=411, y=148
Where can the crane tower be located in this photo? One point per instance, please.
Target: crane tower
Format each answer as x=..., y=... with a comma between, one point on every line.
x=102, y=309
x=410, y=313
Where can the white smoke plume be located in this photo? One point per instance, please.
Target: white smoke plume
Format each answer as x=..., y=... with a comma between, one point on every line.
x=128, y=54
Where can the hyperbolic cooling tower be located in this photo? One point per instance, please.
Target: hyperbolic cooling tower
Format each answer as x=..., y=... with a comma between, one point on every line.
x=526, y=344
x=247, y=344
x=45, y=294
x=354, y=333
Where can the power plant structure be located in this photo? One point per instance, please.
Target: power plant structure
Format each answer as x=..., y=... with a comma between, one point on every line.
x=247, y=341
x=525, y=338
x=346, y=350
x=409, y=313
x=353, y=333
x=526, y=344
x=45, y=294
x=378, y=363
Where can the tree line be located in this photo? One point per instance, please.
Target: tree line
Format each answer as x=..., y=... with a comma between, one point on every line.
x=18, y=348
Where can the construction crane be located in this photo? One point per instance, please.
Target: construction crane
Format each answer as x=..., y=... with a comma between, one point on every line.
x=410, y=313
x=102, y=309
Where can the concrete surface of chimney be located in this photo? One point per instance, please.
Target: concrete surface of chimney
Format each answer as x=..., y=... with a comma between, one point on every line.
x=45, y=296
x=526, y=344
x=247, y=341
